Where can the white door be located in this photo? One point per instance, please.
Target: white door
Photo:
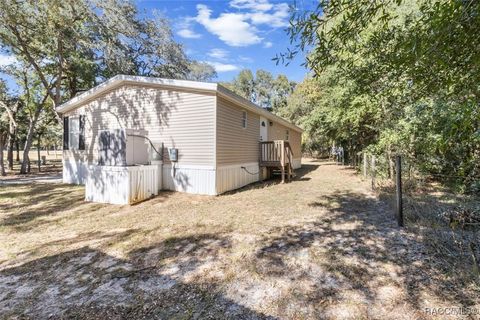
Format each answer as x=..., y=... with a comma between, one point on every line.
x=263, y=129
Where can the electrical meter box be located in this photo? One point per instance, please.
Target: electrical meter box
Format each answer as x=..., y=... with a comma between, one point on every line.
x=173, y=154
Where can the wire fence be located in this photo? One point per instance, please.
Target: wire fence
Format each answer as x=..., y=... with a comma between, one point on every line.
x=430, y=203
x=420, y=190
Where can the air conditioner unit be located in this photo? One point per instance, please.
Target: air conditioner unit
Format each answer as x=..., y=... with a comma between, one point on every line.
x=122, y=147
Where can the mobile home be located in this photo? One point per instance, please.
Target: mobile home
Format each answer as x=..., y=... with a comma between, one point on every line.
x=180, y=135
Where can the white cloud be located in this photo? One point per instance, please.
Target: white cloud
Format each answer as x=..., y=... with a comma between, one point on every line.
x=267, y=44
x=277, y=18
x=218, y=53
x=245, y=59
x=231, y=28
x=239, y=29
x=257, y=5
x=6, y=60
x=189, y=34
x=185, y=29
x=222, y=67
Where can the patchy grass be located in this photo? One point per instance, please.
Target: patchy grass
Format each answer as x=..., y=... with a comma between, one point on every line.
x=323, y=246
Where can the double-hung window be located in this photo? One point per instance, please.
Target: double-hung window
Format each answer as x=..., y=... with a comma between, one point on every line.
x=74, y=133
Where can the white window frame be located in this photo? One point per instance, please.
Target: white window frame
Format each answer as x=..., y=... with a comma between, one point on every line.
x=287, y=135
x=244, y=119
x=74, y=133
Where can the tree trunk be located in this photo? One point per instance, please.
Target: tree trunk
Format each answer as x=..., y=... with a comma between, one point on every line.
x=2, y=165
x=390, y=166
x=28, y=143
x=10, y=144
x=38, y=154
x=17, y=148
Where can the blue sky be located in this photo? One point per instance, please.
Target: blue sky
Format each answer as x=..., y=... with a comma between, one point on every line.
x=233, y=34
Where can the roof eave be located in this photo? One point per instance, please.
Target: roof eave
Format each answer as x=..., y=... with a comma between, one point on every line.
x=122, y=79
x=232, y=96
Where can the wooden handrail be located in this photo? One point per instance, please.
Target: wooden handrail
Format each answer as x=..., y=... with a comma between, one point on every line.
x=276, y=151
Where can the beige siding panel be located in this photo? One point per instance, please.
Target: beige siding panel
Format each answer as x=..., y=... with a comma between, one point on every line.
x=179, y=119
x=279, y=132
x=236, y=144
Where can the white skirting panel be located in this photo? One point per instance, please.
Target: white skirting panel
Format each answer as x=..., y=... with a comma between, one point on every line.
x=234, y=176
x=74, y=172
x=190, y=179
x=121, y=185
x=297, y=163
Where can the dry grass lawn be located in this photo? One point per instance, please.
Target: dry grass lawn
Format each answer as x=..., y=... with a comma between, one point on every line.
x=323, y=246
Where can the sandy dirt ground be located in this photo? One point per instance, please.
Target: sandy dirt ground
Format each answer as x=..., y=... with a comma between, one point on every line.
x=321, y=247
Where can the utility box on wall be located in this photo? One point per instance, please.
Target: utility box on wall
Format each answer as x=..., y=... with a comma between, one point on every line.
x=173, y=154
x=122, y=147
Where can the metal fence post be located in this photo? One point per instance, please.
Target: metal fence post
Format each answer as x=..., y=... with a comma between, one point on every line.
x=365, y=159
x=373, y=172
x=399, y=206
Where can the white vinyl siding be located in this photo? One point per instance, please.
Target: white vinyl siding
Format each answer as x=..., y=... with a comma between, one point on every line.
x=179, y=119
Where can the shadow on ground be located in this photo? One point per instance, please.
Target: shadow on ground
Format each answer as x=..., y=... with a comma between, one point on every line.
x=89, y=284
x=361, y=247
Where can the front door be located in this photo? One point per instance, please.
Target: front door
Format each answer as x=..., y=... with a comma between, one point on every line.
x=263, y=129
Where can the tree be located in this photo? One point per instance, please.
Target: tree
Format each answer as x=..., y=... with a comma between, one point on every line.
x=243, y=84
x=283, y=88
x=35, y=101
x=3, y=124
x=263, y=89
x=200, y=71
x=11, y=107
x=396, y=76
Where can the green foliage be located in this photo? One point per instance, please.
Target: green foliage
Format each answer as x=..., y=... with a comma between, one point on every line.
x=263, y=89
x=394, y=77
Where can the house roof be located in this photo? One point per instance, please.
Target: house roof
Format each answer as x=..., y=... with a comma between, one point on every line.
x=119, y=80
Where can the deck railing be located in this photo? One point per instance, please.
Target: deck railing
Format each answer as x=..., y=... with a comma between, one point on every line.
x=277, y=152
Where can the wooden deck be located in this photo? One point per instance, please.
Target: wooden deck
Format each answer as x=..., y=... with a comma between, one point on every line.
x=277, y=154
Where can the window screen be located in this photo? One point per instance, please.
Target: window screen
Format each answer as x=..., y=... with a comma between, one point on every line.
x=74, y=133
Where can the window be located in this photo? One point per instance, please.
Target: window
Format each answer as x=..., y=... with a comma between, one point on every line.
x=74, y=132
x=244, y=119
x=65, y=133
x=287, y=135
x=81, y=134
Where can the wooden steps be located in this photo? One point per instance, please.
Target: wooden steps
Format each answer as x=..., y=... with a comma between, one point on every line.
x=277, y=155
